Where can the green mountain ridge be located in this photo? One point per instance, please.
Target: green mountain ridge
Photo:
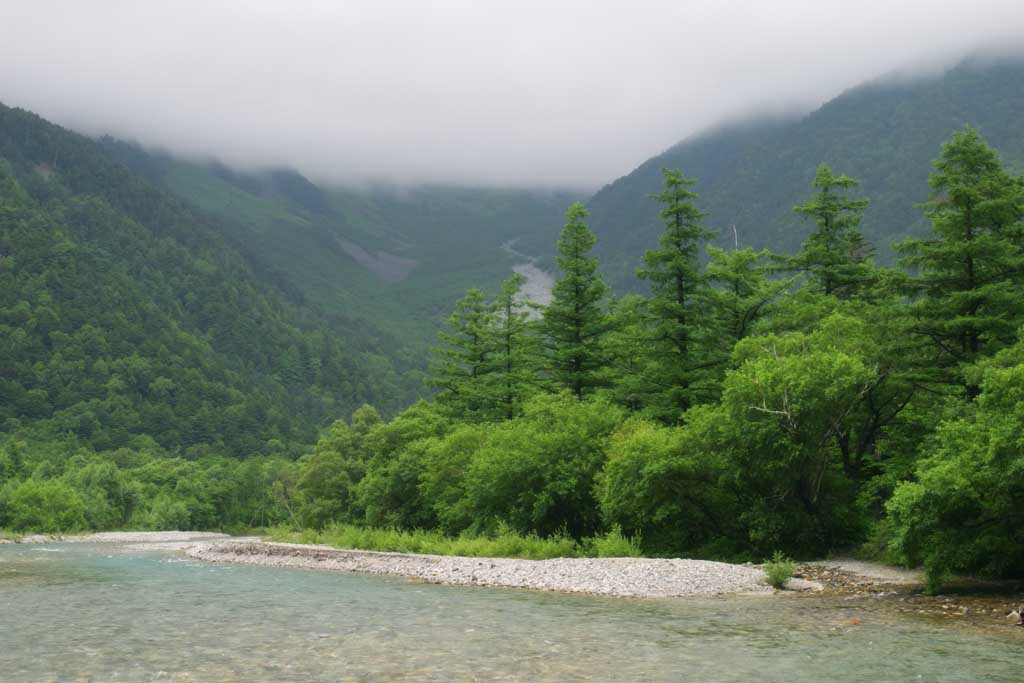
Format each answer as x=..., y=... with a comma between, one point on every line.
x=125, y=314
x=749, y=175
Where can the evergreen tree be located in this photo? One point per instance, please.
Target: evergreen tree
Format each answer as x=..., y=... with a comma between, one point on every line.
x=574, y=321
x=514, y=350
x=464, y=357
x=677, y=316
x=836, y=256
x=969, y=274
x=627, y=345
x=740, y=296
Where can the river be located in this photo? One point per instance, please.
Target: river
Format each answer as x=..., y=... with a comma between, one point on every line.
x=88, y=612
x=537, y=283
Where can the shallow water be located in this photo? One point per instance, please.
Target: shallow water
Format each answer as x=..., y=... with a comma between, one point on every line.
x=99, y=613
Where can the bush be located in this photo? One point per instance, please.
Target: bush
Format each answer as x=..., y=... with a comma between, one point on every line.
x=616, y=544
x=537, y=473
x=961, y=514
x=45, y=506
x=168, y=514
x=779, y=569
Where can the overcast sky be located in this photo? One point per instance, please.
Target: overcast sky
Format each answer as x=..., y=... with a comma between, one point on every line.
x=570, y=94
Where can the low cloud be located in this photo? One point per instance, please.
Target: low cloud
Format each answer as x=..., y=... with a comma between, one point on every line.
x=567, y=94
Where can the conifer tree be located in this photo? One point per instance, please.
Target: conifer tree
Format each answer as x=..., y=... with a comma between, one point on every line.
x=464, y=357
x=970, y=273
x=836, y=256
x=574, y=321
x=677, y=315
x=514, y=350
x=741, y=294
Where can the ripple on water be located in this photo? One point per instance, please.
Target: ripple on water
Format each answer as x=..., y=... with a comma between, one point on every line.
x=87, y=614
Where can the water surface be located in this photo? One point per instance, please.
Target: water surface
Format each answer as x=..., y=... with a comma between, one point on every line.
x=83, y=612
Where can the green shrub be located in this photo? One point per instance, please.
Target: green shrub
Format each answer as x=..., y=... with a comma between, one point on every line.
x=616, y=544
x=779, y=569
x=45, y=506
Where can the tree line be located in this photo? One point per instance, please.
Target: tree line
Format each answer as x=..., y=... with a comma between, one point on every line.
x=749, y=402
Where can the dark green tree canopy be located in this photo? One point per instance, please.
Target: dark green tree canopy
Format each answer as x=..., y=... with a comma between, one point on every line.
x=679, y=320
x=836, y=256
x=465, y=356
x=967, y=278
x=575, y=321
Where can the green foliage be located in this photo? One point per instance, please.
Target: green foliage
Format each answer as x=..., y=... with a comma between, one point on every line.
x=514, y=359
x=751, y=174
x=961, y=512
x=968, y=290
x=782, y=409
x=574, y=321
x=389, y=493
x=743, y=292
x=489, y=358
x=465, y=357
x=677, y=310
x=123, y=313
x=728, y=413
x=502, y=543
x=537, y=473
x=836, y=255
x=779, y=569
x=332, y=471
x=49, y=506
x=613, y=543
x=663, y=483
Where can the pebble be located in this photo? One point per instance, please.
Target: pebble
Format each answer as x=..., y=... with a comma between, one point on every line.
x=619, y=576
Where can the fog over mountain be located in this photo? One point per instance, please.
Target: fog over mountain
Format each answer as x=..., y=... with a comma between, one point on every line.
x=522, y=93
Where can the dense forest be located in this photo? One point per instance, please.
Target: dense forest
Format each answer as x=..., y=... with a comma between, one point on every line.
x=749, y=402
x=393, y=257
x=129, y=320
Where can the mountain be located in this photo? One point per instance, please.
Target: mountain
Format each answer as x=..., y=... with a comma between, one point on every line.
x=397, y=258
x=128, y=317
x=884, y=133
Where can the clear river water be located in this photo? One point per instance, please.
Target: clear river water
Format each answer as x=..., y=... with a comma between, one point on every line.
x=84, y=612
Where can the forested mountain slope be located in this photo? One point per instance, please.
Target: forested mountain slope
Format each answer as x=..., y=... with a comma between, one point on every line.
x=398, y=257
x=884, y=133
x=126, y=315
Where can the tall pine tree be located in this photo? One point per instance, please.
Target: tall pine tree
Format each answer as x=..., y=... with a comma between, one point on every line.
x=464, y=357
x=514, y=351
x=836, y=256
x=741, y=294
x=969, y=276
x=678, y=320
x=574, y=321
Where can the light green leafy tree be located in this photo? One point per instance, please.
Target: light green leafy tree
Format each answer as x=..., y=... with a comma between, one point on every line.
x=964, y=509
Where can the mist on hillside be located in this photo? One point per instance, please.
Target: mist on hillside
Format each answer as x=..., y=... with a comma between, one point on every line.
x=484, y=93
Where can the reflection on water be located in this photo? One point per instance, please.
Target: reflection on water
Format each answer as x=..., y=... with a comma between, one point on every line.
x=94, y=613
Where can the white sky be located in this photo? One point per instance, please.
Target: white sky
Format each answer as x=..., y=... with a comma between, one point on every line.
x=570, y=94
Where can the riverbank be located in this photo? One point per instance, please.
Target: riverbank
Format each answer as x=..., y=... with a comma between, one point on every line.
x=965, y=601
x=856, y=583
x=123, y=537
x=618, y=576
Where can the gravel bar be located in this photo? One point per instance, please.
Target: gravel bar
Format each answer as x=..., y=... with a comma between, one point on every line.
x=620, y=576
